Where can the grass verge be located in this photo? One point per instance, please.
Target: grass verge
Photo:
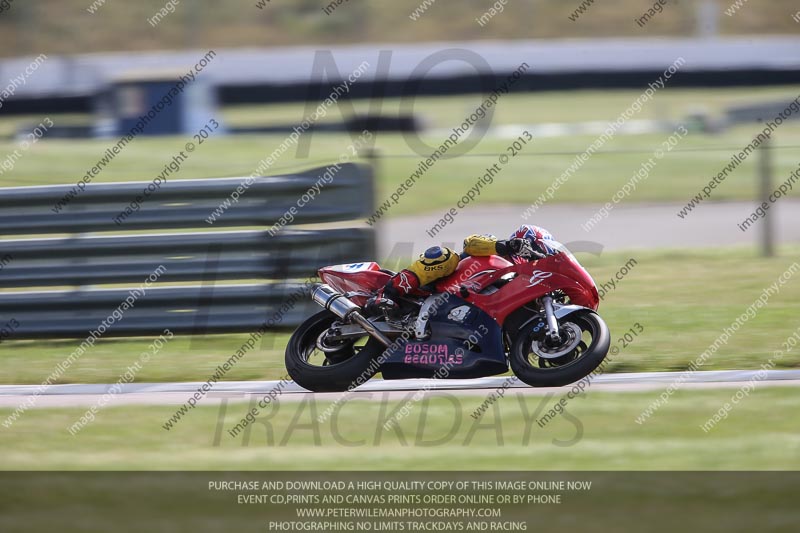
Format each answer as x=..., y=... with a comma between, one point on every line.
x=597, y=433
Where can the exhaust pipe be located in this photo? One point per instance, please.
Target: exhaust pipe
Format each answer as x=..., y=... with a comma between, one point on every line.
x=344, y=308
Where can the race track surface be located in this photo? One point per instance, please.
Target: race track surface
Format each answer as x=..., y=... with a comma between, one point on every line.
x=12, y=396
x=630, y=226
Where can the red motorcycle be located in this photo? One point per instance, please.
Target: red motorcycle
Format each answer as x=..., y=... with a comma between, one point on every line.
x=539, y=317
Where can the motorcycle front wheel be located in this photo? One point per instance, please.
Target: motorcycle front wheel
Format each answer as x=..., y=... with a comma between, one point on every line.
x=337, y=368
x=585, y=340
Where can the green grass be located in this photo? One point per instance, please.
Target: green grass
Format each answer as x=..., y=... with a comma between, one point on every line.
x=182, y=359
x=683, y=300
x=600, y=434
x=677, y=177
x=65, y=26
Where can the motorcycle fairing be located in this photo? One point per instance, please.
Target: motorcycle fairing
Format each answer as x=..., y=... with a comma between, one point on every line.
x=532, y=280
x=451, y=327
x=357, y=278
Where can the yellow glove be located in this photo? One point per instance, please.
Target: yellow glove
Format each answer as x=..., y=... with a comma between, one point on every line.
x=480, y=245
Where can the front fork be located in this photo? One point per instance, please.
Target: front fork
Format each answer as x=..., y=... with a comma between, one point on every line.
x=552, y=322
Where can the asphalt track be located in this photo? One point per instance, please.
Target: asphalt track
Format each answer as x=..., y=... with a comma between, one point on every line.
x=74, y=395
x=628, y=226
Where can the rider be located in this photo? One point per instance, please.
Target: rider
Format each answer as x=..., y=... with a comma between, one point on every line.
x=527, y=243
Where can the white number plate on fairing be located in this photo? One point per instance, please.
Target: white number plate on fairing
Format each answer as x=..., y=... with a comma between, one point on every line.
x=356, y=267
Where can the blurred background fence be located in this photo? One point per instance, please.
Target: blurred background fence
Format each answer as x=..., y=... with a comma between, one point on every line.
x=131, y=264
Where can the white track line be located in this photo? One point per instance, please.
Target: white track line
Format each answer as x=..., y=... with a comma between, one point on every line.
x=380, y=385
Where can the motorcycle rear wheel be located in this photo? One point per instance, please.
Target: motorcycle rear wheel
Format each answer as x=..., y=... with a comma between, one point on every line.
x=337, y=371
x=530, y=367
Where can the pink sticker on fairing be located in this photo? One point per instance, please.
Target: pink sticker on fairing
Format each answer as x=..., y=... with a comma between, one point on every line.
x=413, y=348
x=429, y=354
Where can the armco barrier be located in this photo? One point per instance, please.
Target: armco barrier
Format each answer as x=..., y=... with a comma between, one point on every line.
x=211, y=282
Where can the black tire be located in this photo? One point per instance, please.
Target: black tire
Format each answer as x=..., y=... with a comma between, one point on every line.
x=567, y=369
x=343, y=368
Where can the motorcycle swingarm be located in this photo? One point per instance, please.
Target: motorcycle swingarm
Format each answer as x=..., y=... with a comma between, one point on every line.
x=354, y=331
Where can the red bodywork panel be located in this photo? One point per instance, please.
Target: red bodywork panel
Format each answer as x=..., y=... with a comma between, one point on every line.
x=352, y=277
x=476, y=274
x=533, y=280
x=472, y=271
